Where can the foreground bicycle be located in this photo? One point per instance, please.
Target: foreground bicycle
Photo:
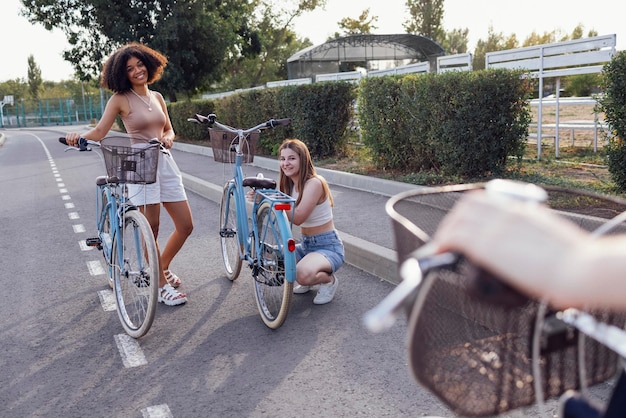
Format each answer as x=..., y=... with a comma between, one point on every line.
x=483, y=348
x=267, y=243
x=124, y=234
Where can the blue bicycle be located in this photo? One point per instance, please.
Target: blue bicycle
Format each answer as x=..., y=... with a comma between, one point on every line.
x=266, y=243
x=124, y=234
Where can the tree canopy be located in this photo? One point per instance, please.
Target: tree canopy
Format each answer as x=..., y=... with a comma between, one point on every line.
x=200, y=38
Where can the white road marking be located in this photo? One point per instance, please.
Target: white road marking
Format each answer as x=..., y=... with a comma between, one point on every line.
x=66, y=197
x=157, y=411
x=73, y=215
x=69, y=206
x=63, y=190
x=78, y=228
x=95, y=268
x=107, y=300
x=83, y=246
x=132, y=355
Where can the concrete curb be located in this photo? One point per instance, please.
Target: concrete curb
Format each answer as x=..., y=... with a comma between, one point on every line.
x=367, y=256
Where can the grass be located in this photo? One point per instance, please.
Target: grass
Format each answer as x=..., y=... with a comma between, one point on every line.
x=577, y=167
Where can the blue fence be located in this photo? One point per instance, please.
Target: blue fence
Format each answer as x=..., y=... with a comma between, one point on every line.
x=53, y=112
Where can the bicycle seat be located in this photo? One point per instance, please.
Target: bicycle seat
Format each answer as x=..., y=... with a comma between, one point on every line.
x=259, y=183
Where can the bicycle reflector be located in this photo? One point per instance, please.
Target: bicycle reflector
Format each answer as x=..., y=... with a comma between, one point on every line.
x=282, y=206
x=291, y=245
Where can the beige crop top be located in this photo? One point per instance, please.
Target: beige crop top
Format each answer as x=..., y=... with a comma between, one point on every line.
x=321, y=214
x=141, y=123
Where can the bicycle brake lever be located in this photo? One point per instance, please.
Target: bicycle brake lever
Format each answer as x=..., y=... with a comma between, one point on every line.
x=384, y=315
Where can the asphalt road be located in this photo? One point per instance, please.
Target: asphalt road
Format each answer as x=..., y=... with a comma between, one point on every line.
x=65, y=355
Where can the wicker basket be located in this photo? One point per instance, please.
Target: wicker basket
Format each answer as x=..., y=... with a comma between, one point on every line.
x=223, y=144
x=470, y=341
x=136, y=164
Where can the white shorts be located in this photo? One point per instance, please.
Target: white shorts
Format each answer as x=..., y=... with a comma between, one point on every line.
x=167, y=188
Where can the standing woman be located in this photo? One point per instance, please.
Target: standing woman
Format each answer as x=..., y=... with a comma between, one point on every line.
x=321, y=252
x=128, y=72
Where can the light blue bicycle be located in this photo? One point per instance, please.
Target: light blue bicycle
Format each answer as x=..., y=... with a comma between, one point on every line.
x=265, y=242
x=124, y=234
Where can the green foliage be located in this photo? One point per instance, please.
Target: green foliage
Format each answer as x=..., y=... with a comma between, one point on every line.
x=34, y=78
x=425, y=18
x=319, y=115
x=613, y=104
x=462, y=123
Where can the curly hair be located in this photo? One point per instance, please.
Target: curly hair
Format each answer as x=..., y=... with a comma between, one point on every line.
x=114, y=76
x=307, y=170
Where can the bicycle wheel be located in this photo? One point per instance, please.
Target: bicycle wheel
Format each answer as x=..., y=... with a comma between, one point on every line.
x=105, y=229
x=229, y=239
x=273, y=281
x=136, y=275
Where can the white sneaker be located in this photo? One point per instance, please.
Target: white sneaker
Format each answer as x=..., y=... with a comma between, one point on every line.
x=326, y=293
x=298, y=289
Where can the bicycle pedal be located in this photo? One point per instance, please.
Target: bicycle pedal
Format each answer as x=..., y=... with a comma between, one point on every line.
x=94, y=242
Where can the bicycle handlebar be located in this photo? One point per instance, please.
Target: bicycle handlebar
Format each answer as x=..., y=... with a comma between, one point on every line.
x=211, y=119
x=83, y=144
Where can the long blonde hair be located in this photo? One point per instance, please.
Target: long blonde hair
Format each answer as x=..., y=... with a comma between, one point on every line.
x=306, y=172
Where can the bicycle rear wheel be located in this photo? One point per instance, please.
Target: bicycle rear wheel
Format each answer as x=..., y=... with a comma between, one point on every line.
x=273, y=281
x=231, y=247
x=136, y=275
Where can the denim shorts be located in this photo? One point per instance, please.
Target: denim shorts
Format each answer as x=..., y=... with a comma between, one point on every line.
x=327, y=243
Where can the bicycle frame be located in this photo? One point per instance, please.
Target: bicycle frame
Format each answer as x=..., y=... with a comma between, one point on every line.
x=277, y=200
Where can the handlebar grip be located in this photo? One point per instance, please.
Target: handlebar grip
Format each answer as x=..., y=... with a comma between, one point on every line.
x=280, y=122
x=63, y=141
x=83, y=144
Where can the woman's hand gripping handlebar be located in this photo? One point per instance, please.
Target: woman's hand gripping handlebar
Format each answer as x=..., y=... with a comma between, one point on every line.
x=426, y=258
x=82, y=145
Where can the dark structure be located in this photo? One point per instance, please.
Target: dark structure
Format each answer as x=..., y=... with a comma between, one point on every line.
x=348, y=52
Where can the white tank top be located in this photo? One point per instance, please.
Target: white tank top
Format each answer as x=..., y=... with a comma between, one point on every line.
x=321, y=214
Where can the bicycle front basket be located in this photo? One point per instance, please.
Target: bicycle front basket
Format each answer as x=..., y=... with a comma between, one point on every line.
x=223, y=146
x=474, y=352
x=135, y=163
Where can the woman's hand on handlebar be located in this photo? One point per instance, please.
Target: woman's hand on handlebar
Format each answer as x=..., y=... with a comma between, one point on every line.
x=72, y=139
x=532, y=249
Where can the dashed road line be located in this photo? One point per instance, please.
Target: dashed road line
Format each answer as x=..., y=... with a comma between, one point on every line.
x=95, y=268
x=157, y=411
x=107, y=300
x=132, y=354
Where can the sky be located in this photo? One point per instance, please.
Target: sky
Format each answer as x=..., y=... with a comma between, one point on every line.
x=522, y=17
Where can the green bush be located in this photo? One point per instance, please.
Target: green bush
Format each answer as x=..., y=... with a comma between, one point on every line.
x=319, y=113
x=457, y=123
x=613, y=104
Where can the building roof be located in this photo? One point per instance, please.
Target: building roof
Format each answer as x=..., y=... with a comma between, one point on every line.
x=370, y=47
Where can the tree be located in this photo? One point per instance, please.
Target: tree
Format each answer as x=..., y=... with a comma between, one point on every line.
x=425, y=20
x=362, y=25
x=273, y=43
x=196, y=36
x=35, y=83
x=495, y=42
x=455, y=41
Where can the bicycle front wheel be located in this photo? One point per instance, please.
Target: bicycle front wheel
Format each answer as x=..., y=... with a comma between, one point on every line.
x=275, y=266
x=105, y=228
x=229, y=239
x=136, y=274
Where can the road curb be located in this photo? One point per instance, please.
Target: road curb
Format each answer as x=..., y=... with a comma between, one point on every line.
x=367, y=256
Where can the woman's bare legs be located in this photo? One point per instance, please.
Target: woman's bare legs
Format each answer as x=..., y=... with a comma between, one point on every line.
x=183, y=225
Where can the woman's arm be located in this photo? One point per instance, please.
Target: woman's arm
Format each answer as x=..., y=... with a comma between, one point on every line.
x=168, y=131
x=116, y=105
x=537, y=252
x=311, y=194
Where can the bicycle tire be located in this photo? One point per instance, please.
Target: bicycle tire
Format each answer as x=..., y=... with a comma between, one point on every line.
x=105, y=228
x=275, y=266
x=136, y=279
x=229, y=238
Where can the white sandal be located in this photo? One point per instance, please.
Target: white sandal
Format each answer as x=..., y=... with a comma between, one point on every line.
x=170, y=296
x=172, y=279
